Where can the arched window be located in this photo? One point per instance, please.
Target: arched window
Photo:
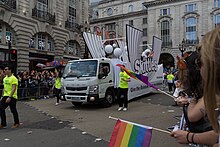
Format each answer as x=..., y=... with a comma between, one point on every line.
x=217, y=19
x=6, y=34
x=165, y=33
x=42, y=41
x=72, y=48
x=130, y=8
x=191, y=33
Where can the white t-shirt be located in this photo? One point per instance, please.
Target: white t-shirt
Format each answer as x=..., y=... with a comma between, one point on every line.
x=177, y=91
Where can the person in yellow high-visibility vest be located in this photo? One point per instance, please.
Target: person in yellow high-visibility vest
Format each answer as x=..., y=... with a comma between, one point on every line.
x=170, y=80
x=57, y=86
x=9, y=98
x=123, y=90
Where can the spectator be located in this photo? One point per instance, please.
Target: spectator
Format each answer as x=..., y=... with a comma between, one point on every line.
x=210, y=71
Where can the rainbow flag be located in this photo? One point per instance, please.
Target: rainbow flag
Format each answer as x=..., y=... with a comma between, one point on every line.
x=128, y=134
x=140, y=77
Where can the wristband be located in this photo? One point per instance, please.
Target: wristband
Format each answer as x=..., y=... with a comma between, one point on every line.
x=193, y=138
x=187, y=137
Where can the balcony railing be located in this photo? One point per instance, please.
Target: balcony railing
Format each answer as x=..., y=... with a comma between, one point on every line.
x=8, y=4
x=43, y=16
x=73, y=26
x=167, y=44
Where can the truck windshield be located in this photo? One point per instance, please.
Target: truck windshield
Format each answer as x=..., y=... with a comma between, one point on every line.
x=81, y=69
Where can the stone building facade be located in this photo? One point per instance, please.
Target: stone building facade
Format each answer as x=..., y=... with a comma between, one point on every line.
x=40, y=31
x=179, y=23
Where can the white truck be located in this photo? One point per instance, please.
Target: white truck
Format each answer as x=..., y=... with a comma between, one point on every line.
x=96, y=80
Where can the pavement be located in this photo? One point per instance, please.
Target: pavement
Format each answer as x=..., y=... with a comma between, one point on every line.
x=44, y=124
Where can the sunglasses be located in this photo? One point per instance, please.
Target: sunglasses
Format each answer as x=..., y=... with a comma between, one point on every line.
x=6, y=69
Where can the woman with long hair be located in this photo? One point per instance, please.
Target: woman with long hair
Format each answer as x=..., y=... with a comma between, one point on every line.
x=210, y=71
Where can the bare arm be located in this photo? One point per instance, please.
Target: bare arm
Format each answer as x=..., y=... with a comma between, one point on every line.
x=196, y=110
x=13, y=90
x=207, y=138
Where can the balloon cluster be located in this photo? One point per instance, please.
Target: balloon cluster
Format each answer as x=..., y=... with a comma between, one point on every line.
x=109, y=49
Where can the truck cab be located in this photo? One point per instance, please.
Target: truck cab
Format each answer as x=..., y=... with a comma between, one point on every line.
x=89, y=80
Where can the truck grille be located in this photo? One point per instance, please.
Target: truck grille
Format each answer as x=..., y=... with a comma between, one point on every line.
x=76, y=88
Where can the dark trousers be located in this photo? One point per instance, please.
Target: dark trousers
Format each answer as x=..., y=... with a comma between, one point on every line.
x=12, y=105
x=170, y=86
x=123, y=97
x=57, y=93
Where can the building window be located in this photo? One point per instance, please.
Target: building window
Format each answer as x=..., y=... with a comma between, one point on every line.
x=131, y=22
x=216, y=3
x=144, y=20
x=42, y=5
x=50, y=44
x=130, y=8
x=72, y=48
x=190, y=7
x=145, y=32
x=72, y=3
x=191, y=34
x=72, y=14
x=217, y=19
x=42, y=41
x=165, y=32
x=7, y=35
x=164, y=12
x=32, y=42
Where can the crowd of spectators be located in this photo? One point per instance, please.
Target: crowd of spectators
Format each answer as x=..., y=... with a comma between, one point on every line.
x=33, y=84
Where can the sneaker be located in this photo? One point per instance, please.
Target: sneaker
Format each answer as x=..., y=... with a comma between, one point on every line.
x=120, y=108
x=15, y=126
x=57, y=104
x=125, y=109
x=2, y=127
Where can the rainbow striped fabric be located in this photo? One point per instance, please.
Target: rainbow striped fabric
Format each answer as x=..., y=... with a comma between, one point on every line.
x=127, y=134
x=140, y=77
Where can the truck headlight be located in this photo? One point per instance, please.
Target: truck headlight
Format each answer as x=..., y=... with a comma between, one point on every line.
x=94, y=89
x=62, y=90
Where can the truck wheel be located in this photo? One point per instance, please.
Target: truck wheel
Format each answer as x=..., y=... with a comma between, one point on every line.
x=109, y=98
x=77, y=103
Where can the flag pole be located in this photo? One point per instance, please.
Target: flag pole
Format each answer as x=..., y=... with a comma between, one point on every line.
x=156, y=129
x=167, y=94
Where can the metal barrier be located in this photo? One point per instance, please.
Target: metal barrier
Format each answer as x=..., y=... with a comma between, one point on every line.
x=40, y=91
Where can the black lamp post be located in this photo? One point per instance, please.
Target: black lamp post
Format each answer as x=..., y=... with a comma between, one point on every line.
x=182, y=46
x=86, y=54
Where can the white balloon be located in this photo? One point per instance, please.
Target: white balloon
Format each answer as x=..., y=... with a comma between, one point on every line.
x=117, y=52
x=114, y=45
x=108, y=49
